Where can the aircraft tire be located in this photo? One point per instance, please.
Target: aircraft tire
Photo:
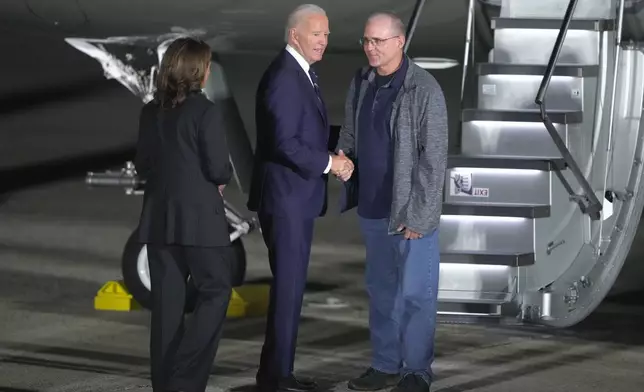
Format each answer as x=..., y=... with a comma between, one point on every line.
x=136, y=275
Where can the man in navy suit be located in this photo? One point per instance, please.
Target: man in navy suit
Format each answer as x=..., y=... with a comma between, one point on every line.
x=288, y=189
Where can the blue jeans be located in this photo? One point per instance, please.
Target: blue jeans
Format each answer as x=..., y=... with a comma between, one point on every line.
x=402, y=283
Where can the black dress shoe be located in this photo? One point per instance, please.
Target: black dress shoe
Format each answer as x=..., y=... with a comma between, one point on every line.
x=286, y=384
x=373, y=380
x=292, y=384
x=412, y=383
x=307, y=382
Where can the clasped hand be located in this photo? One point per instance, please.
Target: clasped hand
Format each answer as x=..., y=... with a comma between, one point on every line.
x=341, y=166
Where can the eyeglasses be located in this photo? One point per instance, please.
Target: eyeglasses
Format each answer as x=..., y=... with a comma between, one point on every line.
x=364, y=41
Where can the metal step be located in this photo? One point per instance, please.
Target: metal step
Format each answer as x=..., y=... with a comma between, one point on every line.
x=556, y=116
x=552, y=24
x=497, y=186
x=497, y=180
x=497, y=210
x=581, y=45
x=466, y=313
x=557, y=8
x=578, y=71
x=491, y=162
x=517, y=92
x=489, y=258
x=494, y=299
x=477, y=237
x=512, y=139
x=483, y=284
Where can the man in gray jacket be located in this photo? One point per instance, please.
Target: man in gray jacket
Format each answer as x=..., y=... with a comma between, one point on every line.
x=395, y=132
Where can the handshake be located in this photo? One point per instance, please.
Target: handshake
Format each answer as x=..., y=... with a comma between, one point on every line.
x=341, y=166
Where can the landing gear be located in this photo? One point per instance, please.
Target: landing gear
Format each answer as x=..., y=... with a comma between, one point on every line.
x=134, y=261
x=139, y=78
x=136, y=274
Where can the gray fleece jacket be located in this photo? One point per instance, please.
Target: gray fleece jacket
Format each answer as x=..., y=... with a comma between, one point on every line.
x=419, y=134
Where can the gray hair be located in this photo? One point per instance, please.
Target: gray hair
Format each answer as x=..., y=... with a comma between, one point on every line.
x=397, y=25
x=298, y=13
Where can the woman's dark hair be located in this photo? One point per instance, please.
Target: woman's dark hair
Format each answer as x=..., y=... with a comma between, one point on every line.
x=183, y=68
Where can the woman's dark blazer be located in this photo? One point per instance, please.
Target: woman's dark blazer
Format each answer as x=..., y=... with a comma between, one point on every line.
x=183, y=156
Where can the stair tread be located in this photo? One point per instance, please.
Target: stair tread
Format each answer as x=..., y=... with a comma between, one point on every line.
x=555, y=24
x=488, y=253
x=536, y=69
x=483, y=301
x=495, y=162
x=492, y=298
x=497, y=209
x=491, y=257
x=526, y=115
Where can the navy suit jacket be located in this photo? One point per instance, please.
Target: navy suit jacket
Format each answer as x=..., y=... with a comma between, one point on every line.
x=292, y=144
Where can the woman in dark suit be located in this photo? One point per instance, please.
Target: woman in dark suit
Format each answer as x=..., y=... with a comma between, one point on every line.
x=183, y=156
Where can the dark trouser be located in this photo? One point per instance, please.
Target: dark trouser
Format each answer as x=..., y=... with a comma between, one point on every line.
x=402, y=283
x=289, y=246
x=182, y=357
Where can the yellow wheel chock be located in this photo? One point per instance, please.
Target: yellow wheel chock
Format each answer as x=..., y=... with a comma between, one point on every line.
x=250, y=300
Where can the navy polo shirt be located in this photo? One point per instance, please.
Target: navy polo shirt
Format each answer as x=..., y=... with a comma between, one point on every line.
x=375, y=147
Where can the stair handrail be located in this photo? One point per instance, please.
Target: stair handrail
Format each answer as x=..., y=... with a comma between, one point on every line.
x=413, y=22
x=588, y=201
x=469, y=32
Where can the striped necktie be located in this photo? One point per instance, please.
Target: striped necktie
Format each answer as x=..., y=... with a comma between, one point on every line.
x=314, y=79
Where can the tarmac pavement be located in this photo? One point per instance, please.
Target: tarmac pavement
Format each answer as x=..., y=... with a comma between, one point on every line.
x=60, y=242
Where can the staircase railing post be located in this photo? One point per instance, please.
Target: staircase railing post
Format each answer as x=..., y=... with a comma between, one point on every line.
x=413, y=22
x=468, y=39
x=611, y=117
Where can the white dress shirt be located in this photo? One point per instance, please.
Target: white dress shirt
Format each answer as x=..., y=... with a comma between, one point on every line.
x=306, y=67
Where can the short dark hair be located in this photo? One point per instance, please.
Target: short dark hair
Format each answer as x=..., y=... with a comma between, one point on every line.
x=183, y=69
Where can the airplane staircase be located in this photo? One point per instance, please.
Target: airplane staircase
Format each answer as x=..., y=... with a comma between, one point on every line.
x=541, y=206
